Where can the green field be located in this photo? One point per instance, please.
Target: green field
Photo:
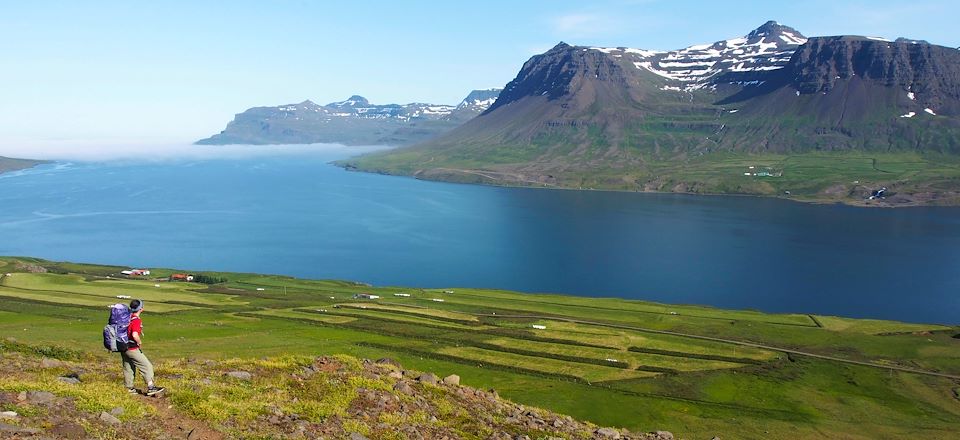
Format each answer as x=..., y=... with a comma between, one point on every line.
x=641, y=365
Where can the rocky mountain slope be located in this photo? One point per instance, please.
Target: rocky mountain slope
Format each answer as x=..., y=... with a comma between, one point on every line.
x=627, y=118
x=354, y=121
x=54, y=392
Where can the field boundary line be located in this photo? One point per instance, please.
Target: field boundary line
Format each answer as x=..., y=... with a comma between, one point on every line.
x=715, y=318
x=108, y=298
x=741, y=343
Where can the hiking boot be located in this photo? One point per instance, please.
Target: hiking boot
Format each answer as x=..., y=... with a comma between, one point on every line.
x=133, y=391
x=153, y=391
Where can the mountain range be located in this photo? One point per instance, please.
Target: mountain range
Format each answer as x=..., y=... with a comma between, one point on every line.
x=354, y=121
x=861, y=112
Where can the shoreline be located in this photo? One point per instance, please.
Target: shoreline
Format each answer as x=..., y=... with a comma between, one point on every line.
x=42, y=261
x=10, y=164
x=813, y=201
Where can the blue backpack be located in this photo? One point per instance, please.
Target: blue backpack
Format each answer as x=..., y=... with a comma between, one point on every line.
x=115, y=332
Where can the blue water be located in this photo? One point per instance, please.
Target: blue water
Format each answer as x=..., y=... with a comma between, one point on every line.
x=297, y=215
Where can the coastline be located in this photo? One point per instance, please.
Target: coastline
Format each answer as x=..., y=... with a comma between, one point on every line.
x=9, y=164
x=920, y=200
x=34, y=264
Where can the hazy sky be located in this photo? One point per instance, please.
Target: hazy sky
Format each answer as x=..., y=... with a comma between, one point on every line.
x=83, y=73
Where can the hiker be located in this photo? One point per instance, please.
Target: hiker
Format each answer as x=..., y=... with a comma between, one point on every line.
x=133, y=358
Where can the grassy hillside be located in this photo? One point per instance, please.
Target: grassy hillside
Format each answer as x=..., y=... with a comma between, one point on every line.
x=695, y=371
x=70, y=394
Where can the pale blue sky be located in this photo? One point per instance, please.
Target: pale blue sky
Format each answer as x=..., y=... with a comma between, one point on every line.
x=77, y=74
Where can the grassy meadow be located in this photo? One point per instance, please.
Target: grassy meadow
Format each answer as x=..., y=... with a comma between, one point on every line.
x=640, y=365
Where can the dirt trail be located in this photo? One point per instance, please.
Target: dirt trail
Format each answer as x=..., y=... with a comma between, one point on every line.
x=179, y=424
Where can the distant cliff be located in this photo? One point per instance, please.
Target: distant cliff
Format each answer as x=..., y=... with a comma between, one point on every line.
x=354, y=121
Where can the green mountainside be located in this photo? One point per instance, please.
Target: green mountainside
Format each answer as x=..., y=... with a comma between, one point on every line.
x=771, y=113
x=264, y=356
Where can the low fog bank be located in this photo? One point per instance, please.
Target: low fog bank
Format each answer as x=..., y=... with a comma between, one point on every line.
x=94, y=151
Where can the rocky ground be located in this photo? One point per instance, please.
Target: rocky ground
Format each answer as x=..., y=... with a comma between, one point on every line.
x=80, y=396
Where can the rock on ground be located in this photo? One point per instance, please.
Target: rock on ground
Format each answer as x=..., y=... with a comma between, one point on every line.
x=429, y=378
x=242, y=375
x=404, y=388
x=109, y=418
x=69, y=430
x=608, y=433
x=40, y=397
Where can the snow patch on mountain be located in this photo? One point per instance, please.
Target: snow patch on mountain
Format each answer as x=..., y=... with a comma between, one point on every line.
x=769, y=47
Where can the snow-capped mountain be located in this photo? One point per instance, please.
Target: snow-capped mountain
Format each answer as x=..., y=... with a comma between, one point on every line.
x=622, y=117
x=479, y=100
x=735, y=60
x=351, y=121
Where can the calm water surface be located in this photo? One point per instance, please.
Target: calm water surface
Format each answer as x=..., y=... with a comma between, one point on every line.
x=296, y=215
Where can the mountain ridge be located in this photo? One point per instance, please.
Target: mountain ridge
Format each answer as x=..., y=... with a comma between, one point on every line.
x=618, y=118
x=353, y=121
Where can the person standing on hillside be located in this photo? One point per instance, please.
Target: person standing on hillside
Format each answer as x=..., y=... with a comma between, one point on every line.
x=133, y=358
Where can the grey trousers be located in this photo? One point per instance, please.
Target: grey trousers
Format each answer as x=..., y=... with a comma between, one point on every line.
x=133, y=361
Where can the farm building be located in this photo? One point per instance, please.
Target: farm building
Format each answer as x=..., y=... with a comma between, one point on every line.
x=181, y=277
x=135, y=272
x=365, y=296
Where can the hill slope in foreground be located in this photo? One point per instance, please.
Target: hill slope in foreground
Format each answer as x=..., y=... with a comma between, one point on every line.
x=769, y=113
x=69, y=394
x=696, y=371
